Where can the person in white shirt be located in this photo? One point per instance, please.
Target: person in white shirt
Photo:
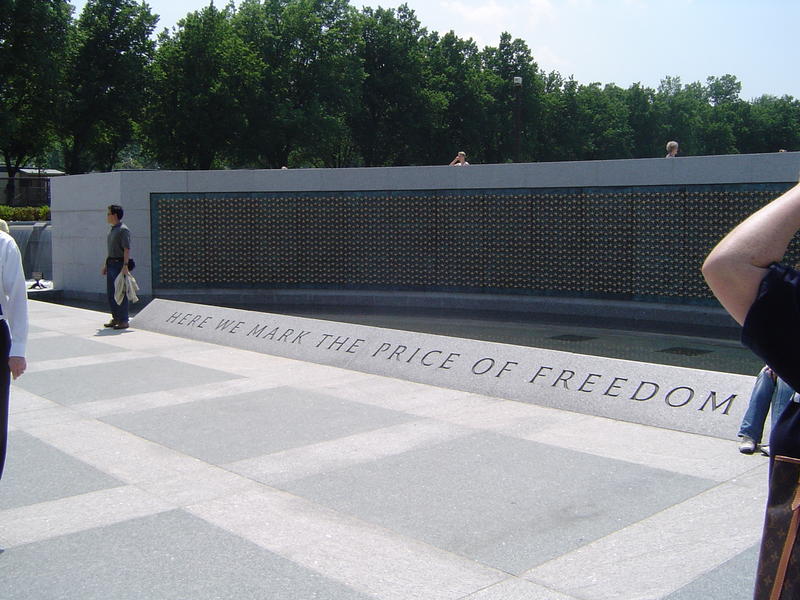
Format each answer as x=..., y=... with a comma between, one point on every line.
x=460, y=160
x=13, y=329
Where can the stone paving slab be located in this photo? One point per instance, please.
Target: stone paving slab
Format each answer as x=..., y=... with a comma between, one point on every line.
x=23, y=484
x=143, y=465
x=504, y=502
x=75, y=384
x=236, y=427
x=170, y=556
x=736, y=574
x=66, y=347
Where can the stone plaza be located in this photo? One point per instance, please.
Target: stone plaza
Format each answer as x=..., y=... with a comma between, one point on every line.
x=148, y=465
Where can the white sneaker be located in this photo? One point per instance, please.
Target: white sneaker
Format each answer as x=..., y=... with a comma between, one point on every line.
x=747, y=445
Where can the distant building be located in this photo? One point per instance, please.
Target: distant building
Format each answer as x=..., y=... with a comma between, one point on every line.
x=32, y=186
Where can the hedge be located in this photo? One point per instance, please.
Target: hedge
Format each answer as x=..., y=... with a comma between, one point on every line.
x=24, y=213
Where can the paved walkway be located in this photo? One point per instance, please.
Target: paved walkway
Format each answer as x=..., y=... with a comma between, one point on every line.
x=145, y=466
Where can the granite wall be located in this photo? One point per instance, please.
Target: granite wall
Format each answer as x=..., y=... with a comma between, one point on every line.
x=624, y=235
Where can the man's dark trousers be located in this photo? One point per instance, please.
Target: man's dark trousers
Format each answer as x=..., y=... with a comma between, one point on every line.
x=5, y=384
x=118, y=311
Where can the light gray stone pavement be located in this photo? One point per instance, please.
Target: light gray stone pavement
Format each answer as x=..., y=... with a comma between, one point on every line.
x=148, y=466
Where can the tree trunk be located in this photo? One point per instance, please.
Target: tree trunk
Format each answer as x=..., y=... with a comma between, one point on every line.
x=10, y=191
x=74, y=157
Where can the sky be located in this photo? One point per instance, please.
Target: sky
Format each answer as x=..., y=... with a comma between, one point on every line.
x=616, y=41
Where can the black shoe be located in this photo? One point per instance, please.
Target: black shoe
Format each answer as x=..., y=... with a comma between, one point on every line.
x=123, y=325
x=111, y=323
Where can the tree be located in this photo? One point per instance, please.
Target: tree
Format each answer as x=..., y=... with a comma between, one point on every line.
x=643, y=122
x=723, y=90
x=199, y=73
x=773, y=124
x=515, y=112
x=32, y=38
x=725, y=118
x=602, y=123
x=562, y=134
x=458, y=98
x=309, y=84
x=109, y=53
x=680, y=112
x=257, y=23
x=396, y=112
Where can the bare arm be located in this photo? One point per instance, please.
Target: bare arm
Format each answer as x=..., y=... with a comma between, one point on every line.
x=735, y=267
x=126, y=256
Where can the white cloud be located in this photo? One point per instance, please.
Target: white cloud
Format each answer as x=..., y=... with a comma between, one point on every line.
x=550, y=60
x=581, y=4
x=489, y=13
x=485, y=20
x=540, y=11
x=482, y=21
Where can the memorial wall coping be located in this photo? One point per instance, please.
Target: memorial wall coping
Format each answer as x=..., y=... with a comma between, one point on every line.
x=690, y=400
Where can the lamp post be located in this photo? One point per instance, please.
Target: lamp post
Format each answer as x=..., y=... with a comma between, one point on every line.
x=517, y=117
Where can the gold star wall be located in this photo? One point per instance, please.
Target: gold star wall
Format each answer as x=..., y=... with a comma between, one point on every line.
x=643, y=243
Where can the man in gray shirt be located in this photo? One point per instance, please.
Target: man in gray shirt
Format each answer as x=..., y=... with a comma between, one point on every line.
x=119, y=253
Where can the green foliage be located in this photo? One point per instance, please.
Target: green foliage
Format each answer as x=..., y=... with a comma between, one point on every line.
x=773, y=124
x=24, y=213
x=109, y=50
x=201, y=74
x=397, y=109
x=32, y=38
x=334, y=87
x=309, y=77
x=316, y=83
x=514, y=110
x=458, y=97
x=643, y=120
x=603, y=120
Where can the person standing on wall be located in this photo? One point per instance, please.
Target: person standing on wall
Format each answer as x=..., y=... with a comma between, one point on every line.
x=119, y=253
x=13, y=329
x=672, y=149
x=460, y=160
